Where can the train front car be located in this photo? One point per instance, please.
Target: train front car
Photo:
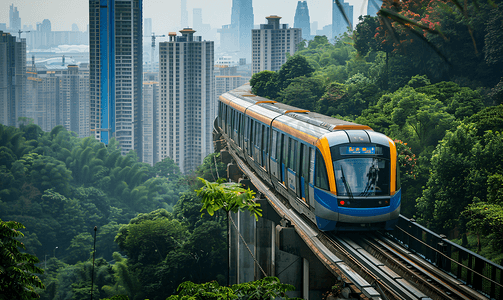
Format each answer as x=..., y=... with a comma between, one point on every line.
x=357, y=182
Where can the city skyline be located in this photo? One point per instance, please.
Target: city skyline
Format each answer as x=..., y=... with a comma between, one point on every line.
x=63, y=14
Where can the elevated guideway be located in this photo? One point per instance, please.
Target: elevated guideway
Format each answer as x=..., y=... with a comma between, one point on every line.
x=409, y=263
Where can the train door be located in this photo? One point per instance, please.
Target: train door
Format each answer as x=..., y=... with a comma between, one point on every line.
x=275, y=150
x=292, y=161
x=234, y=126
x=257, y=141
x=250, y=131
x=311, y=178
x=238, y=141
x=284, y=158
x=265, y=146
x=304, y=172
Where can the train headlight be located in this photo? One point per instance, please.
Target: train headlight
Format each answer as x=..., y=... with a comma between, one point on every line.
x=341, y=203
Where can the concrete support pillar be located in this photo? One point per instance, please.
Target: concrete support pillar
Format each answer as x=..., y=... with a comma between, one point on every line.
x=241, y=262
x=265, y=252
x=305, y=279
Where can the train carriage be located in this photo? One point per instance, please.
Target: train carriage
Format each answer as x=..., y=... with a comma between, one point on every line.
x=343, y=176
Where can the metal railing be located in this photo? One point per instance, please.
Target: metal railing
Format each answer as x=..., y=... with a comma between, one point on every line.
x=476, y=271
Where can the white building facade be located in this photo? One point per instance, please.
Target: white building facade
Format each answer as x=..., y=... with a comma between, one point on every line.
x=187, y=99
x=270, y=44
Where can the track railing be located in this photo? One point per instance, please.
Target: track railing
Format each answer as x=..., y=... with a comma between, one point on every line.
x=476, y=271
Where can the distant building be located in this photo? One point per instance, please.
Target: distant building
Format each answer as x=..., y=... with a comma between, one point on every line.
x=339, y=23
x=187, y=101
x=302, y=21
x=197, y=22
x=184, y=14
x=236, y=37
x=12, y=79
x=14, y=19
x=228, y=78
x=271, y=43
x=150, y=121
x=314, y=27
x=44, y=38
x=326, y=31
x=59, y=95
x=116, y=39
x=228, y=39
x=373, y=7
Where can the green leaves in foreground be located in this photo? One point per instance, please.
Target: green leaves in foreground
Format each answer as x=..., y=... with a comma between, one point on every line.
x=230, y=197
x=17, y=269
x=266, y=288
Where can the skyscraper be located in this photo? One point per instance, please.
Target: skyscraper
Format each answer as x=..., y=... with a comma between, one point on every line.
x=187, y=105
x=14, y=19
x=339, y=23
x=184, y=14
x=271, y=42
x=302, y=21
x=115, y=48
x=242, y=20
x=12, y=79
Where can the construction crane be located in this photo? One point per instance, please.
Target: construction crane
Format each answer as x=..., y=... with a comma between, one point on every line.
x=21, y=31
x=153, y=46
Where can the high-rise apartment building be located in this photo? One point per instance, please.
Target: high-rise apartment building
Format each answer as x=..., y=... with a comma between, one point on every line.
x=187, y=99
x=115, y=52
x=14, y=19
x=150, y=117
x=271, y=42
x=339, y=22
x=59, y=95
x=302, y=21
x=12, y=79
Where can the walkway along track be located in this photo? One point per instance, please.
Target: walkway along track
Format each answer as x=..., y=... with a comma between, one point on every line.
x=369, y=263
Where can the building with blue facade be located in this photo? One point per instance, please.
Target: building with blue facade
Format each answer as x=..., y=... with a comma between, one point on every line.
x=115, y=53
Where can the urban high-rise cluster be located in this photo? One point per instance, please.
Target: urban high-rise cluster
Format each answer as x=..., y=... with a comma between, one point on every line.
x=113, y=80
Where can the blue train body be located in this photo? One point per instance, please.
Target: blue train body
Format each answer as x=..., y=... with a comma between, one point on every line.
x=343, y=176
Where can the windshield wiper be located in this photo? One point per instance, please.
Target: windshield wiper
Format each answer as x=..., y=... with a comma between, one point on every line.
x=372, y=180
x=346, y=185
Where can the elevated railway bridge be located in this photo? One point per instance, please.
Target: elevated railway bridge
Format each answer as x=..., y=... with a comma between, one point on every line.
x=410, y=262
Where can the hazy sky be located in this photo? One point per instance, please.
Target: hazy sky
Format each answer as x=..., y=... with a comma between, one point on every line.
x=165, y=14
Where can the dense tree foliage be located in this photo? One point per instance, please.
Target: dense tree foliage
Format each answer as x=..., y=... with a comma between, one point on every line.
x=18, y=278
x=429, y=75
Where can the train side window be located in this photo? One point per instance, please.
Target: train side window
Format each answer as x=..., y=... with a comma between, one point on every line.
x=305, y=162
x=321, y=172
x=293, y=155
x=311, y=165
x=266, y=139
x=251, y=135
x=284, y=156
x=274, y=143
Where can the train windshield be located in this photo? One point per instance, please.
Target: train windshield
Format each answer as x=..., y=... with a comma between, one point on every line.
x=362, y=176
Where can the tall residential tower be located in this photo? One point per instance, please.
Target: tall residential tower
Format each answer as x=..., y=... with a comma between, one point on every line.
x=187, y=99
x=115, y=52
x=271, y=42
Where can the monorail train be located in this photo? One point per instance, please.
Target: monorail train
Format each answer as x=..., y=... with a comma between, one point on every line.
x=343, y=176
